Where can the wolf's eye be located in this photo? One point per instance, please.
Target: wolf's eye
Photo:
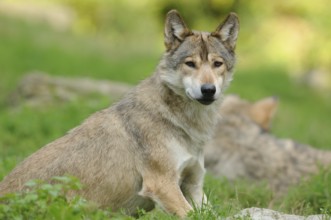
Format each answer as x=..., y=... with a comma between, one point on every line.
x=218, y=64
x=190, y=64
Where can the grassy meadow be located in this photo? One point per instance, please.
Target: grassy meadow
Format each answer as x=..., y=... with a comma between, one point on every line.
x=304, y=115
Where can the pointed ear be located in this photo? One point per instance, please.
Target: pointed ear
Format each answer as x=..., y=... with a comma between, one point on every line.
x=263, y=111
x=227, y=31
x=175, y=30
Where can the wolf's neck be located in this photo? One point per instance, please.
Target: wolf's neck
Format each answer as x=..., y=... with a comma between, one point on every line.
x=197, y=120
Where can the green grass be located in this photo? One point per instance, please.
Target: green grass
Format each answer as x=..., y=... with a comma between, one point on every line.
x=313, y=196
x=304, y=115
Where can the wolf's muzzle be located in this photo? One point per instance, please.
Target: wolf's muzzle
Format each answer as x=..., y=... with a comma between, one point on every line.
x=208, y=91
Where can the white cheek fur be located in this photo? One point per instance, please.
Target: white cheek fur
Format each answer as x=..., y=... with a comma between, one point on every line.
x=192, y=88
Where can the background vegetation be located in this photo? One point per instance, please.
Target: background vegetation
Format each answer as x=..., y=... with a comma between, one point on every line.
x=283, y=50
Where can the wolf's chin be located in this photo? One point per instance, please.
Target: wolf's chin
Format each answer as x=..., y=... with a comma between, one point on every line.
x=206, y=101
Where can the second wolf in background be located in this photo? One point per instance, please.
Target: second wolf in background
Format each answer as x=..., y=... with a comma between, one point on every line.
x=242, y=149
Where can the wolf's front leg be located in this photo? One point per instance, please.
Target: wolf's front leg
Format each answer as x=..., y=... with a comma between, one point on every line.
x=166, y=192
x=192, y=187
x=194, y=194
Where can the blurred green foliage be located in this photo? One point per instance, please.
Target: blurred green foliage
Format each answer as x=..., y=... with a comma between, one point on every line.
x=293, y=33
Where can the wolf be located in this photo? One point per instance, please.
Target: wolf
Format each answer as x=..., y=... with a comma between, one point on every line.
x=242, y=147
x=147, y=148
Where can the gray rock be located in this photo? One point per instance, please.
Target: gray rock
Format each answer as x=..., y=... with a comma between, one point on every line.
x=268, y=214
x=39, y=88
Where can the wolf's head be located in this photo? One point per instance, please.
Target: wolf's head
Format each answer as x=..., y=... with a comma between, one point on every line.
x=197, y=64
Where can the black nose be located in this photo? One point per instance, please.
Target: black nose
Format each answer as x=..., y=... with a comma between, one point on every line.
x=208, y=90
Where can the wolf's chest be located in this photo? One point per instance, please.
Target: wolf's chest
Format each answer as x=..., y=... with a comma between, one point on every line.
x=186, y=161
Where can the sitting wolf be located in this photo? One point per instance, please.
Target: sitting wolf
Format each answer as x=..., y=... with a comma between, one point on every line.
x=147, y=148
x=241, y=147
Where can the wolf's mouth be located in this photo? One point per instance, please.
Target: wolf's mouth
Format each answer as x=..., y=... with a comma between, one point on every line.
x=206, y=101
x=203, y=100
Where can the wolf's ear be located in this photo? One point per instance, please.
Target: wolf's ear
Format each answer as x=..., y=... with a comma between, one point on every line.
x=227, y=31
x=263, y=111
x=175, y=30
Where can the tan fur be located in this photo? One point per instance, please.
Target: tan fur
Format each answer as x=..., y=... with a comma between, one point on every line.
x=263, y=111
x=147, y=148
